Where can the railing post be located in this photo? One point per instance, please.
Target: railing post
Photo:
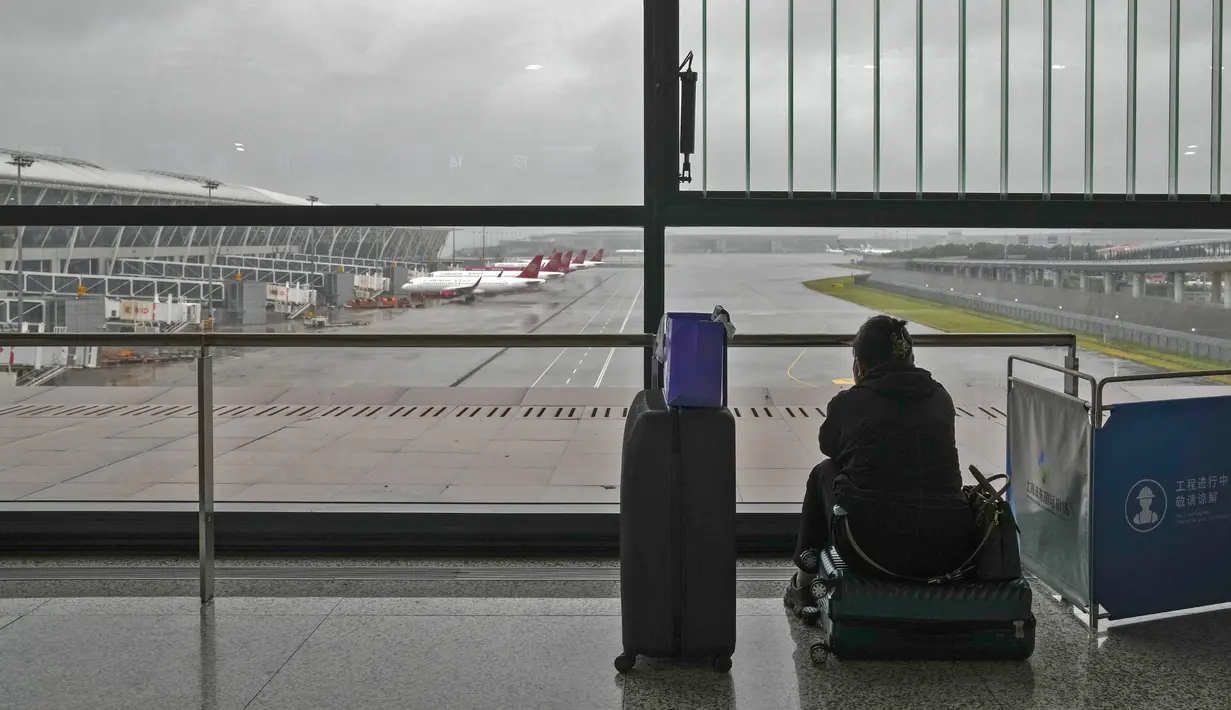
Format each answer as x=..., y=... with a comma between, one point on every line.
x=205, y=471
x=1072, y=362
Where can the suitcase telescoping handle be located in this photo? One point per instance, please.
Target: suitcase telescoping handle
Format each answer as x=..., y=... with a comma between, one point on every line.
x=720, y=315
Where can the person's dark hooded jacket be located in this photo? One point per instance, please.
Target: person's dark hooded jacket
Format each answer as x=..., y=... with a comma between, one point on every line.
x=892, y=438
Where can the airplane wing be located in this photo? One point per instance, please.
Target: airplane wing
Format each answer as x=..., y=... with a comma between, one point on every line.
x=455, y=291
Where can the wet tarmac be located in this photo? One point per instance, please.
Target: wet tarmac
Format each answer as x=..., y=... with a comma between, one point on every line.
x=763, y=293
x=358, y=426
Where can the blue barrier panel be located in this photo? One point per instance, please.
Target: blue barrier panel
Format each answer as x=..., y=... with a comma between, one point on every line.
x=1162, y=504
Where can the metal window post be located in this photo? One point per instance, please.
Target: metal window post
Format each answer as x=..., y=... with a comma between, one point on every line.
x=1173, y=104
x=747, y=97
x=1130, y=140
x=1089, y=116
x=790, y=100
x=961, y=100
x=919, y=99
x=1047, y=91
x=876, y=99
x=661, y=138
x=1216, y=100
x=205, y=472
x=833, y=98
x=705, y=101
x=1004, y=99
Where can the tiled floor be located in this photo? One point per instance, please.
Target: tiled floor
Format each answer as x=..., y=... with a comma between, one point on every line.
x=440, y=653
x=445, y=458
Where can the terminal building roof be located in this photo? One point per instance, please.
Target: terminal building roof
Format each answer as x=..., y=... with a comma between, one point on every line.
x=74, y=173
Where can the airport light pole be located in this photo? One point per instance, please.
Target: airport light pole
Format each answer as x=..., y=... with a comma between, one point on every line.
x=312, y=200
x=210, y=186
x=21, y=162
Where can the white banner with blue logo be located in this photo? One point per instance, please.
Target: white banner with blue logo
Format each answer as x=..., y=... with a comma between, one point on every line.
x=1163, y=506
x=1049, y=471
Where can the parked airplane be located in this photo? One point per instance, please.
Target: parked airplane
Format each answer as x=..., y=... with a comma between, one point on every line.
x=551, y=270
x=557, y=266
x=830, y=250
x=863, y=249
x=562, y=266
x=596, y=261
x=484, y=284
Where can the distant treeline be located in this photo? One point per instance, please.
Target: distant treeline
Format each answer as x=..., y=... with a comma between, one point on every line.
x=996, y=250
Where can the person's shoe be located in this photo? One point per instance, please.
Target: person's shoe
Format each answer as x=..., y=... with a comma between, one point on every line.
x=800, y=602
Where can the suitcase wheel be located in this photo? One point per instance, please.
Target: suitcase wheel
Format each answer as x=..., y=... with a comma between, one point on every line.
x=810, y=615
x=819, y=653
x=722, y=664
x=625, y=662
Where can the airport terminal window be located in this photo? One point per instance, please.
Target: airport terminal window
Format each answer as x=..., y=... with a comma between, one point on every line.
x=106, y=237
x=52, y=196
x=174, y=236
x=33, y=237
x=7, y=191
x=78, y=197
x=58, y=237
x=144, y=237
x=85, y=237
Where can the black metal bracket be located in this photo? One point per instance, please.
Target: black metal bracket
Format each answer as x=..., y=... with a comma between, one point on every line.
x=688, y=116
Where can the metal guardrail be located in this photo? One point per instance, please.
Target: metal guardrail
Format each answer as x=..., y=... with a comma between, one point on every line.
x=508, y=340
x=203, y=342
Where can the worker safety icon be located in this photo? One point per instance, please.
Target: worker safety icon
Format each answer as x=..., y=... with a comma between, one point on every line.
x=1146, y=505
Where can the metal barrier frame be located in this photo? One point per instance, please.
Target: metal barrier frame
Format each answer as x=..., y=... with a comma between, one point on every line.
x=1097, y=407
x=1071, y=376
x=203, y=342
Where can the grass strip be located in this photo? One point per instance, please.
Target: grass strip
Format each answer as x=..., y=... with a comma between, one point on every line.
x=954, y=319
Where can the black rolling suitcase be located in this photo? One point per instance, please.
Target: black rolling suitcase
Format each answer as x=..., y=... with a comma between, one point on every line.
x=677, y=532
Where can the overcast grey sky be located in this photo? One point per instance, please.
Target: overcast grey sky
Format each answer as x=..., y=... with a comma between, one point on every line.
x=429, y=101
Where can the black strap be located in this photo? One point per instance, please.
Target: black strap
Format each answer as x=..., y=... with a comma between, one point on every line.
x=986, y=483
x=957, y=573
x=992, y=498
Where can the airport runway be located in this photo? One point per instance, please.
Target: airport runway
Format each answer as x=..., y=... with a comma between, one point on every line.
x=763, y=293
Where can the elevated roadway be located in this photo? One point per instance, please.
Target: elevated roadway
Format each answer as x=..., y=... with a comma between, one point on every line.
x=1214, y=264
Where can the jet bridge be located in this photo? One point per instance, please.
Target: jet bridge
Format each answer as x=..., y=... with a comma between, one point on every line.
x=133, y=287
x=220, y=272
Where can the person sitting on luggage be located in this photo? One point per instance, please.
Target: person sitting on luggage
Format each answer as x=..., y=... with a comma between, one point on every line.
x=893, y=468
